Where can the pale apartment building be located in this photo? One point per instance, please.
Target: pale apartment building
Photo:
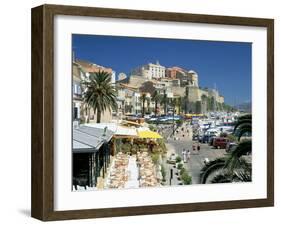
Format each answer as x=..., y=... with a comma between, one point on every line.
x=150, y=71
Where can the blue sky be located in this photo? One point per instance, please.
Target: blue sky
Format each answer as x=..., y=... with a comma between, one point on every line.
x=224, y=64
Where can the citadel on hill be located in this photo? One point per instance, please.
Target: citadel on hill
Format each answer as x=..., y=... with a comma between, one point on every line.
x=175, y=82
x=152, y=87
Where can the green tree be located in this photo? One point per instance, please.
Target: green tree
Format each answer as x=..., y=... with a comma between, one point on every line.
x=143, y=99
x=148, y=101
x=186, y=178
x=209, y=104
x=198, y=107
x=165, y=101
x=204, y=101
x=243, y=125
x=99, y=93
x=186, y=98
x=210, y=168
x=179, y=104
x=213, y=104
x=156, y=97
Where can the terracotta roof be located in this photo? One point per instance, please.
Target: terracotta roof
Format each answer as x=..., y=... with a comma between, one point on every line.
x=91, y=67
x=128, y=86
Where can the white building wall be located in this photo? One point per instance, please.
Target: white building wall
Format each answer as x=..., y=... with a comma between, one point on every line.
x=157, y=71
x=136, y=102
x=113, y=74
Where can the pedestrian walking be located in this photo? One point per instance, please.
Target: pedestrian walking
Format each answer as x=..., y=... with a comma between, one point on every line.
x=198, y=147
x=187, y=156
x=193, y=146
x=184, y=155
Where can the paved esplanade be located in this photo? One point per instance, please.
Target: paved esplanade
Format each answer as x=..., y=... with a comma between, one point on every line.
x=196, y=161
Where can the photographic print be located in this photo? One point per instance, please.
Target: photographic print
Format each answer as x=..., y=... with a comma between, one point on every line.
x=146, y=112
x=154, y=112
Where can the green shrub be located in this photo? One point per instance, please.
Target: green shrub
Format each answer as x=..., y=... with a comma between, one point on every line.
x=156, y=149
x=186, y=179
x=155, y=158
x=152, y=127
x=180, y=165
x=126, y=148
x=142, y=146
x=182, y=170
x=178, y=159
x=179, y=122
x=162, y=145
x=134, y=149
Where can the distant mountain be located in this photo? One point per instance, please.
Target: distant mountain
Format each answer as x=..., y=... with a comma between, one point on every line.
x=246, y=107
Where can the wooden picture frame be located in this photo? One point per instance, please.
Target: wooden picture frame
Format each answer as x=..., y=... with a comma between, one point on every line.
x=42, y=203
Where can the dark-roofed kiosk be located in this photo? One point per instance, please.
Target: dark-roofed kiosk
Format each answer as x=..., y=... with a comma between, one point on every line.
x=91, y=155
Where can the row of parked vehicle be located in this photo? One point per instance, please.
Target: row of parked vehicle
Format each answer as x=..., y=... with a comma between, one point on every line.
x=218, y=142
x=214, y=134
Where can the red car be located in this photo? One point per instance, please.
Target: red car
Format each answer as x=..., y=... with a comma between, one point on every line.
x=220, y=142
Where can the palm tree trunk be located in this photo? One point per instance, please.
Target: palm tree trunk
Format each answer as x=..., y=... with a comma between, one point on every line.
x=165, y=102
x=98, y=116
x=155, y=110
x=165, y=106
x=88, y=110
x=143, y=102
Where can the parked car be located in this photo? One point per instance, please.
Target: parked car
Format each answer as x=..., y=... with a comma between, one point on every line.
x=206, y=138
x=230, y=146
x=220, y=142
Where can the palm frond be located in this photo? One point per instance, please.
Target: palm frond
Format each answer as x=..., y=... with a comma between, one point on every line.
x=241, y=120
x=210, y=168
x=222, y=178
x=234, y=161
x=99, y=92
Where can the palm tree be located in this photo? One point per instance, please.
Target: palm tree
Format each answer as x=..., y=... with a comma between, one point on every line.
x=211, y=168
x=156, y=97
x=148, y=101
x=231, y=168
x=99, y=94
x=243, y=126
x=143, y=99
x=235, y=160
x=235, y=167
x=164, y=101
x=186, y=100
x=179, y=103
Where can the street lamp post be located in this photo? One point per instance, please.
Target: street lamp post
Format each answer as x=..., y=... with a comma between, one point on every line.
x=171, y=175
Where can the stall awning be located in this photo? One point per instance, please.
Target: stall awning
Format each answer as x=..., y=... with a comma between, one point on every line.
x=124, y=122
x=149, y=134
x=88, y=140
x=116, y=129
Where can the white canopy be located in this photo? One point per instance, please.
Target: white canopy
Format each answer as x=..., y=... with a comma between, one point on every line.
x=117, y=130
